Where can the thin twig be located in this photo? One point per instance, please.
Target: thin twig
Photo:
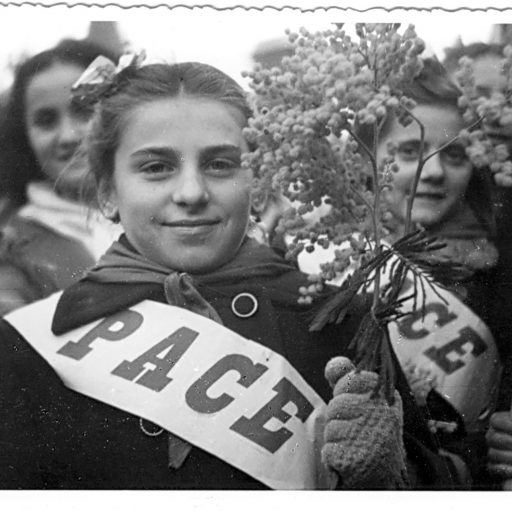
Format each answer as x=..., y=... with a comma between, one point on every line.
x=417, y=175
x=376, y=211
x=364, y=147
x=360, y=196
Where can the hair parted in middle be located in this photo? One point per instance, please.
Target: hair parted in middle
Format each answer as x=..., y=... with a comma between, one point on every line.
x=136, y=86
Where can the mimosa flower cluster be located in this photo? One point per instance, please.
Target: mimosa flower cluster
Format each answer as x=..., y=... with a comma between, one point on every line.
x=314, y=138
x=488, y=146
x=308, y=113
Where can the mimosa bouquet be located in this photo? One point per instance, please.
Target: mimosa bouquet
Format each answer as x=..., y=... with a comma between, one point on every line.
x=313, y=113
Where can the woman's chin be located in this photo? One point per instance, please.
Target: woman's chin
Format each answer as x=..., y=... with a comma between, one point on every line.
x=195, y=262
x=423, y=217
x=428, y=220
x=69, y=178
x=69, y=189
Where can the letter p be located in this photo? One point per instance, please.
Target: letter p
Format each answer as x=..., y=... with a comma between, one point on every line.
x=129, y=321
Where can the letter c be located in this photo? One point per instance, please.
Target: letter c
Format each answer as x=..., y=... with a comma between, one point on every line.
x=197, y=394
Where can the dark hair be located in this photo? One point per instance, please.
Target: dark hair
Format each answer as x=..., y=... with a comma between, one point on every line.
x=18, y=164
x=434, y=87
x=135, y=86
x=473, y=51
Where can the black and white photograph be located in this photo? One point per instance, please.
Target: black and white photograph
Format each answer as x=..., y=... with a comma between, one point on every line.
x=255, y=246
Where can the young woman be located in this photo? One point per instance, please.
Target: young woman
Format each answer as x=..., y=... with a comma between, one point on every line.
x=47, y=240
x=451, y=355
x=453, y=203
x=183, y=359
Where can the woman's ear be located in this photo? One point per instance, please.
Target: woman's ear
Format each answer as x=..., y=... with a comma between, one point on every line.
x=270, y=210
x=110, y=212
x=107, y=203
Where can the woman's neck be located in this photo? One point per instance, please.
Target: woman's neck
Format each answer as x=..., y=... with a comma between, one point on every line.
x=463, y=223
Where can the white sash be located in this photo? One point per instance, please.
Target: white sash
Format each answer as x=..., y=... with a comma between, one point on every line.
x=455, y=347
x=451, y=343
x=228, y=395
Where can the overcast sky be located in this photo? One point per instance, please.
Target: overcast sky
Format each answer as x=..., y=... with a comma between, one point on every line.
x=223, y=39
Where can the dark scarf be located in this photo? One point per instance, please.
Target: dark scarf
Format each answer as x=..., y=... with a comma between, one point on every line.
x=467, y=240
x=122, y=264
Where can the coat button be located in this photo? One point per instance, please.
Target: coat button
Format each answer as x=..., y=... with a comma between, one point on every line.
x=244, y=305
x=149, y=428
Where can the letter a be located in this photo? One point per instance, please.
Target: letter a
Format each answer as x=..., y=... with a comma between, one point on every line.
x=156, y=379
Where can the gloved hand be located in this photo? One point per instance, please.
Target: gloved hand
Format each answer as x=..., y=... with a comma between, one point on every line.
x=499, y=442
x=363, y=434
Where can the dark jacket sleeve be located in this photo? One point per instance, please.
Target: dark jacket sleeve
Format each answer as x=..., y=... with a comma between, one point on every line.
x=20, y=439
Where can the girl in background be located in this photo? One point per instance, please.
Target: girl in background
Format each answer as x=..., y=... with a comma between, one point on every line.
x=453, y=204
x=47, y=240
x=456, y=384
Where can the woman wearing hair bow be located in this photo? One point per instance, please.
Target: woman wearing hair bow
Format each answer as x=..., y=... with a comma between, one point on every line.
x=49, y=238
x=183, y=359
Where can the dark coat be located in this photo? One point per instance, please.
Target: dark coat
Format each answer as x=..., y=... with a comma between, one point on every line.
x=35, y=262
x=52, y=437
x=478, y=292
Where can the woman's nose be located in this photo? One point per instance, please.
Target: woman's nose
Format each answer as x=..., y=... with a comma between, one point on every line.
x=190, y=188
x=433, y=169
x=71, y=131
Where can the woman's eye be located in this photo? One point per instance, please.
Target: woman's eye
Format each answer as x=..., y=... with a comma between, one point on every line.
x=455, y=155
x=409, y=150
x=45, y=119
x=221, y=166
x=156, y=168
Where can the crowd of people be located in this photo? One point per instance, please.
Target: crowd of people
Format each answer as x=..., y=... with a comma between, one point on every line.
x=127, y=243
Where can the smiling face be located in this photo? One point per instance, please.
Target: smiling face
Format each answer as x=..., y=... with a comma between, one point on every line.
x=183, y=197
x=445, y=176
x=55, y=127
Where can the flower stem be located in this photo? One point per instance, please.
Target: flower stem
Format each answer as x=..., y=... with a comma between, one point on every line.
x=375, y=219
x=421, y=163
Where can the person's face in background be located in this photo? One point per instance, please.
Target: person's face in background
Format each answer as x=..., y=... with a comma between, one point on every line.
x=55, y=126
x=445, y=176
x=488, y=80
x=488, y=75
x=182, y=195
x=487, y=70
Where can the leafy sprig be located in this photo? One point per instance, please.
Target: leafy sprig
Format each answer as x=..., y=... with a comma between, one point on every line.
x=311, y=114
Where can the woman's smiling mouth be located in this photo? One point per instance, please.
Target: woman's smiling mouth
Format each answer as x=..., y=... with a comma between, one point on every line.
x=192, y=227
x=430, y=196
x=191, y=223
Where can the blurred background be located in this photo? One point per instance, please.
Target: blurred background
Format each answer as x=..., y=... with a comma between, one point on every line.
x=229, y=41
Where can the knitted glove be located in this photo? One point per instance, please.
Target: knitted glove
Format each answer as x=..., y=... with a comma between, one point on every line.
x=499, y=443
x=363, y=434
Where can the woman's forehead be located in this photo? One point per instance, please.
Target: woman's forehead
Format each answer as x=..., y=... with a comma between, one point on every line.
x=51, y=87
x=183, y=121
x=439, y=119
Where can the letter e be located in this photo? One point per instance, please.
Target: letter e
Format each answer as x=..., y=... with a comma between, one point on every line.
x=456, y=346
x=254, y=428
